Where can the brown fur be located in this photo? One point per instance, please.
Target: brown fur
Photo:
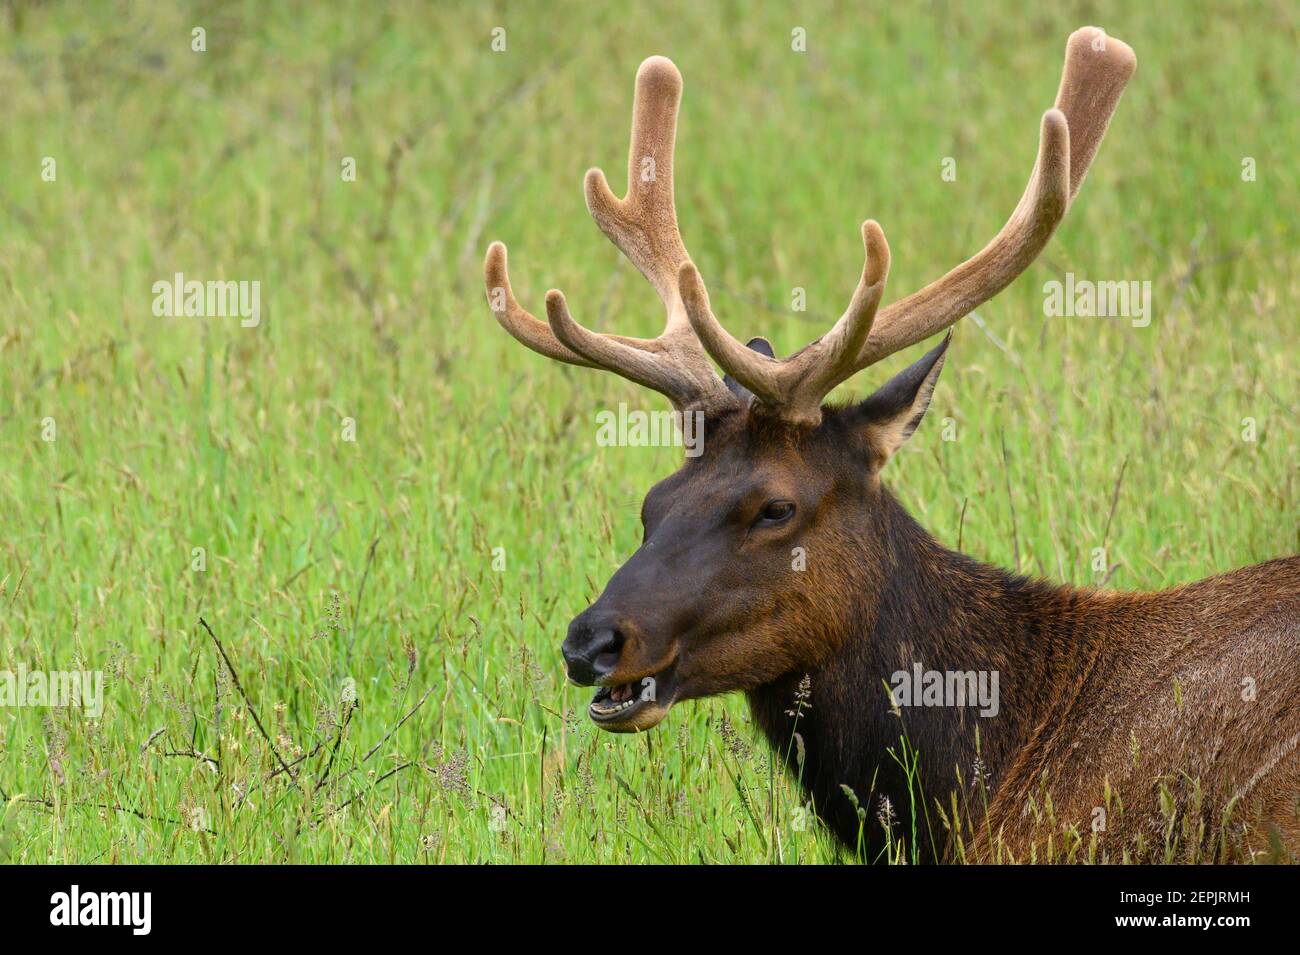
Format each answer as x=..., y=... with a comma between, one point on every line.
x=1161, y=693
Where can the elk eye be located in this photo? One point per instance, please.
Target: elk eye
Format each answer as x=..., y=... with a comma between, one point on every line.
x=775, y=512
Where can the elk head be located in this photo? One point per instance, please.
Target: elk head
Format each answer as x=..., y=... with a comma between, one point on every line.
x=717, y=598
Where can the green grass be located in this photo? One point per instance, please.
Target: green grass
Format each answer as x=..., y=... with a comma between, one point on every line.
x=372, y=560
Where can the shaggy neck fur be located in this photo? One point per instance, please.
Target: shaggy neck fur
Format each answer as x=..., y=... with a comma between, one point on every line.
x=940, y=609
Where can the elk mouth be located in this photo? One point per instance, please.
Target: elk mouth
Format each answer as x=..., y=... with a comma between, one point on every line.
x=634, y=706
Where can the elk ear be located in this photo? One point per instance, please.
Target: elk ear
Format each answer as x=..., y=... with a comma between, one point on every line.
x=888, y=417
x=763, y=347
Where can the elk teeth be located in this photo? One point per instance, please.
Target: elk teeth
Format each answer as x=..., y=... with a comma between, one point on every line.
x=618, y=707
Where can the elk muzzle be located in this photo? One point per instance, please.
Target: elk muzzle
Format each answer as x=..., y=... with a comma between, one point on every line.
x=611, y=649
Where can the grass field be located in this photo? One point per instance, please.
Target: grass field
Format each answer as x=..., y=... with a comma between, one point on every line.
x=386, y=508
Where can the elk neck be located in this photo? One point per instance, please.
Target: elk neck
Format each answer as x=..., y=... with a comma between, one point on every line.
x=920, y=604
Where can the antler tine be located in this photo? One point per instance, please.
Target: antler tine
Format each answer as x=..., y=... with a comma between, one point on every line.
x=635, y=360
x=515, y=319
x=1097, y=68
x=643, y=224
x=794, y=387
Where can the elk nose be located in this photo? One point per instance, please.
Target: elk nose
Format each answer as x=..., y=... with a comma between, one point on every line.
x=591, y=650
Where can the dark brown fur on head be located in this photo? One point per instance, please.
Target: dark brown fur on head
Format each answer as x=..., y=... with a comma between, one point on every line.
x=754, y=563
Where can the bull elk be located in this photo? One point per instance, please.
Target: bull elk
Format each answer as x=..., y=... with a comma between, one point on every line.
x=1104, y=696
